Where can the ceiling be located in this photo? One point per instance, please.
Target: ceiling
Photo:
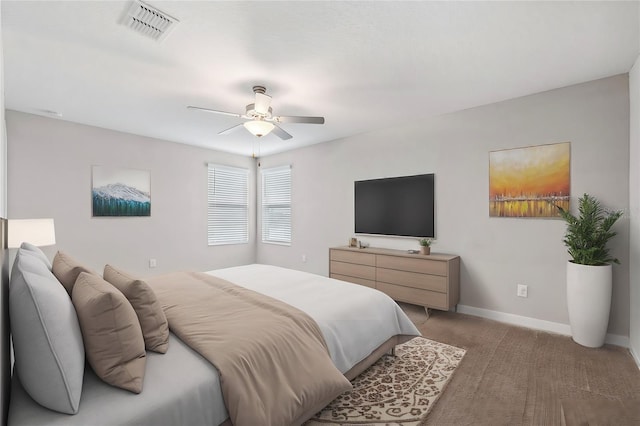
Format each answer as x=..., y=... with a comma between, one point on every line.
x=361, y=65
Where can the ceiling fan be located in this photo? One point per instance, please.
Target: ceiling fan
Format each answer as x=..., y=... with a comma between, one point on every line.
x=261, y=120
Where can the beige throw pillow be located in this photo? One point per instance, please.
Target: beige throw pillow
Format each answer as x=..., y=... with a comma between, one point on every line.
x=112, y=336
x=66, y=269
x=153, y=321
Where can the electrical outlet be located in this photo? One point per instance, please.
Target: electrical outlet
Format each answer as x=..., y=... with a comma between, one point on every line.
x=152, y=263
x=304, y=258
x=523, y=290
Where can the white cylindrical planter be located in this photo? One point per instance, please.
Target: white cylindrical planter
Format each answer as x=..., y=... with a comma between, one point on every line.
x=589, y=302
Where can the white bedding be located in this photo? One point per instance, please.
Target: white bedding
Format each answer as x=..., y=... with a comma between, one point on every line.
x=182, y=388
x=354, y=319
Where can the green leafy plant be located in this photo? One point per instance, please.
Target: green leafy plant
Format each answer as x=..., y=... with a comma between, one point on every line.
x=587, y=235
x=426, y=242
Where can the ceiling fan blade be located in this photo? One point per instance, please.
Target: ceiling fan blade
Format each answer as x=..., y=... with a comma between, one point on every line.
x=293, y=119
x=262, y=103
x=232, y=114
x=230, y=129
x=281, y=133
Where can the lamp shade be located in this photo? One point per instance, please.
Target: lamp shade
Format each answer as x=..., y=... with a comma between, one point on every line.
x=259, y=127
x=39, y=232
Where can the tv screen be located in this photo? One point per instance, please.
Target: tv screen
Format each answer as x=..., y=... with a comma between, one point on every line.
x=402, y=206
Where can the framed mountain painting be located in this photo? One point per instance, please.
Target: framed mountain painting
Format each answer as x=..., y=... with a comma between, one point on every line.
x=120, y=192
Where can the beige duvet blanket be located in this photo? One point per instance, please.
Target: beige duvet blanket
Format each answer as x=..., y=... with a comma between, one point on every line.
x=273, y=362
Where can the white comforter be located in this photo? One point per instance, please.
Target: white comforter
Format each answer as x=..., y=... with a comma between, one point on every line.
x=354, y=319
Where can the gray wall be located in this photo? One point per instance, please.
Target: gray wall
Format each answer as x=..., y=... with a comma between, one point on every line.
x=634, y=208
x=496, y=253
x=49, y=175
x=3, y=139
x=5, y=372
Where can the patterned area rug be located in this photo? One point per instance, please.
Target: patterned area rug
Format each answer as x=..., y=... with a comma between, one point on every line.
x=395, y=390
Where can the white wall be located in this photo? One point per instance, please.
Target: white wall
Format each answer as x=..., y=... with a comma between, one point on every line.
x=496, y=253
x=634, y=208
x=50, y=176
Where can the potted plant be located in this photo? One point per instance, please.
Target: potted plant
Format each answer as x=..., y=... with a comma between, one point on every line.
x=589, y=272
x=425, y=245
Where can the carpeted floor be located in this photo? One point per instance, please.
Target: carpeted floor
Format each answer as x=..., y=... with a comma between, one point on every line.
x=517, y=376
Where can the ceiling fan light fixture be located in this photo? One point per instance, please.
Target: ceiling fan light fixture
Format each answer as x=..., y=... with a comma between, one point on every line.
x=259, y=128
x=261, y=118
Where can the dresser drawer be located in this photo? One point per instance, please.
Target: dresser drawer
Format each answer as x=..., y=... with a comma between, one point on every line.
x=353, y=270
x=431, y=281
x=361, y=281
x=412, y=279
x=423, y=266
x=353, y=257
x=428, y=298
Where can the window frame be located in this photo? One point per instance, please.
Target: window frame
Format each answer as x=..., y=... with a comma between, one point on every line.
x=282, y=201
x=233, y=203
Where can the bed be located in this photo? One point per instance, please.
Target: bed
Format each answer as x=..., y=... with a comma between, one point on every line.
x=181, y=387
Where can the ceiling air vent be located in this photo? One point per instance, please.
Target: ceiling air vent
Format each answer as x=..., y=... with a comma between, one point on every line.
x=149, y=21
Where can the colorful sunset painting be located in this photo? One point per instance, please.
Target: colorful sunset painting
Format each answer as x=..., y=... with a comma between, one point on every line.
x=529, y=182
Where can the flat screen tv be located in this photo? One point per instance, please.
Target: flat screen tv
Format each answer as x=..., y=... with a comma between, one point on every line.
x=399, y=206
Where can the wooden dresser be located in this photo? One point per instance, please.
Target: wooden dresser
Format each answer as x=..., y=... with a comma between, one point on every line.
x=432, y=281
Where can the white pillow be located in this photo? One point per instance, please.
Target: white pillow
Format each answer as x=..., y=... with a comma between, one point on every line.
x=36, y=250
x=47, y=342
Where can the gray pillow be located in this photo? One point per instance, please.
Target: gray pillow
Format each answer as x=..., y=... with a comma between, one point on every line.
x=49, y=352
x=36, y=250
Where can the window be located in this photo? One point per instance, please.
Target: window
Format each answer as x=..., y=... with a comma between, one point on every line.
x=228, y=201
x=276, y=205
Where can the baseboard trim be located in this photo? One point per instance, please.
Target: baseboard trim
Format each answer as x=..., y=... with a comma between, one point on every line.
x=537, y=324
x=634, y=354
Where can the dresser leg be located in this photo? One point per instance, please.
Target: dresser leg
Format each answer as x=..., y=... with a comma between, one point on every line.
x=426, y=311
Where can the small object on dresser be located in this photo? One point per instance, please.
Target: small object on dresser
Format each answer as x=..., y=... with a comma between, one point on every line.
x=353, y=242
x=425, y=245
x=413, y=251
x=362, y=245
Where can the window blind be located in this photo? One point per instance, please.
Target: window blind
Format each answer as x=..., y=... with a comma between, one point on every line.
x=276, y=205
x=228, y=205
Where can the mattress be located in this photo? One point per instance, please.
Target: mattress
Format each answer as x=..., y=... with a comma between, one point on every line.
x=182, y=388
